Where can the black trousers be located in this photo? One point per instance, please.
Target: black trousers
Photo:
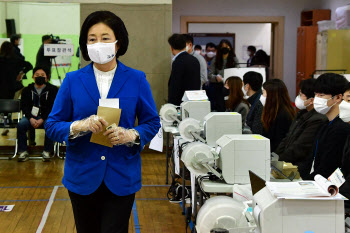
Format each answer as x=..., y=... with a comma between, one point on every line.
x=101, y=211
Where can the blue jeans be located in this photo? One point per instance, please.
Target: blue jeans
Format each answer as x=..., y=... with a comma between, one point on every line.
x=22, y=128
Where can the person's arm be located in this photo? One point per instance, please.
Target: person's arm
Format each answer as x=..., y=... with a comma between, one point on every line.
x=282, y=124
x=257, y=126
x=27, y=66
x=176, y=86
x=303, y=144
x=212, y=71
x=204, y=71
x=57, y=126
x=147, y=115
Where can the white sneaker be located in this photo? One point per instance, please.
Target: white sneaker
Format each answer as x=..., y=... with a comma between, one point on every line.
x=24, y=156
x=46, y=156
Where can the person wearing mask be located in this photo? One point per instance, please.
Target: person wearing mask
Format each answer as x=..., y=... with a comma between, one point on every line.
x=235, y=101
x=225, y=58
x=210, y=53
x=296, y=147
x=41, y=59
x=344, y=114
x=185, y=71
x=202, y=63
x=198, y=50
x=330, y=139
x=101, y=180
x=36, y=103
x=252, y=82
x=278, y=112
x=251, y=52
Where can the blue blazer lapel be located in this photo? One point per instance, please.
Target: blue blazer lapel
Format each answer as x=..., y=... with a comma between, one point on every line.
x=119, y=79
x=90, y=84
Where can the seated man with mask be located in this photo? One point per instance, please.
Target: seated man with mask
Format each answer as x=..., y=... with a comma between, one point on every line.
x=330, y=139
x=296, y=147
x=36, y=104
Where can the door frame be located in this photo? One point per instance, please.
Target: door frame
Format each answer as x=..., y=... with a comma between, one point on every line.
x=277, y=34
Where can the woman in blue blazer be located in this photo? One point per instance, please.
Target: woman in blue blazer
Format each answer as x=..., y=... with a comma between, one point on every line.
x=102, y=181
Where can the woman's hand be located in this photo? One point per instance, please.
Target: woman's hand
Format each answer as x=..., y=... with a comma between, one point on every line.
x=120, y=136
x=219, y=78
x=94, y=124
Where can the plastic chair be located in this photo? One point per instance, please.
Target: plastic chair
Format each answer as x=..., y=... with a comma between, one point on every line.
x=10, y=106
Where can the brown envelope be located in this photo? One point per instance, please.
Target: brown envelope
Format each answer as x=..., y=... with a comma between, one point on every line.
x=111, y=115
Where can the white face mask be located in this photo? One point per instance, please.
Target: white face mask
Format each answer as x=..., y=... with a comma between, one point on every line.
x=344, y=111
x=187, y=48
x=244, y=91
x=320, y=105
x=197, y=52
x=299, y=103
x=249, y=53
x=263, y=100
x=102, y=53
x=211, y=54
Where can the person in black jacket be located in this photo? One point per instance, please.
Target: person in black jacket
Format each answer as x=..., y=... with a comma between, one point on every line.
x=41, y=59
x=185, y=72
x=296, y=147
x=278, y=112
x=36, y=103
x=331, y=137
x=12, y=70
x=344, y=114
x=252, y=88
x=15, y=42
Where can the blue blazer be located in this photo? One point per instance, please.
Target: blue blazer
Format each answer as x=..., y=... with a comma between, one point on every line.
x=78, y=98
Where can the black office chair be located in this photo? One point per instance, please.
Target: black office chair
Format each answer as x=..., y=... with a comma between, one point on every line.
x=8, y=106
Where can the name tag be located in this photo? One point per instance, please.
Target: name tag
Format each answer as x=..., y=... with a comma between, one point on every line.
x=110, y=103
x=35, y=111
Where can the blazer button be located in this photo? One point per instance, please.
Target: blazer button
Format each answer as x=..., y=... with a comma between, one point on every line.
x=103, y=158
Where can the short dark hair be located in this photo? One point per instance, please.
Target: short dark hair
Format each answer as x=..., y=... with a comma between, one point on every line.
x=189, y=38
x=307, y=87
x=177, y=41
x=198, y=47
x=331, y=84
x=111, y=20
x=47, y=72
x=45, y=37
x=251, y=48
x=347, y=87
x=254, y=79
x=211, y=45
x=14, y=37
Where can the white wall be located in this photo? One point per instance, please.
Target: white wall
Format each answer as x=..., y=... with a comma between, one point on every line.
x=333, y=5
x=290, y=9
x=42, y=18
x=2, y=18
x=246, y=34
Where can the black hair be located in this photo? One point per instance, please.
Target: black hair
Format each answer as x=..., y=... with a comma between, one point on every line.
x=177, y=41
x=189, y=38
x=198, y=47
x=261, y=58
x=47, y=72
x=251, y=48
x=254, y=79
x=14, y=37
x=6, y=50
x=219, y=63
x=307, y=87
x=45, y=37
x=331, y=84
x=111, y=20
x=347, y=87
x=211, y=45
